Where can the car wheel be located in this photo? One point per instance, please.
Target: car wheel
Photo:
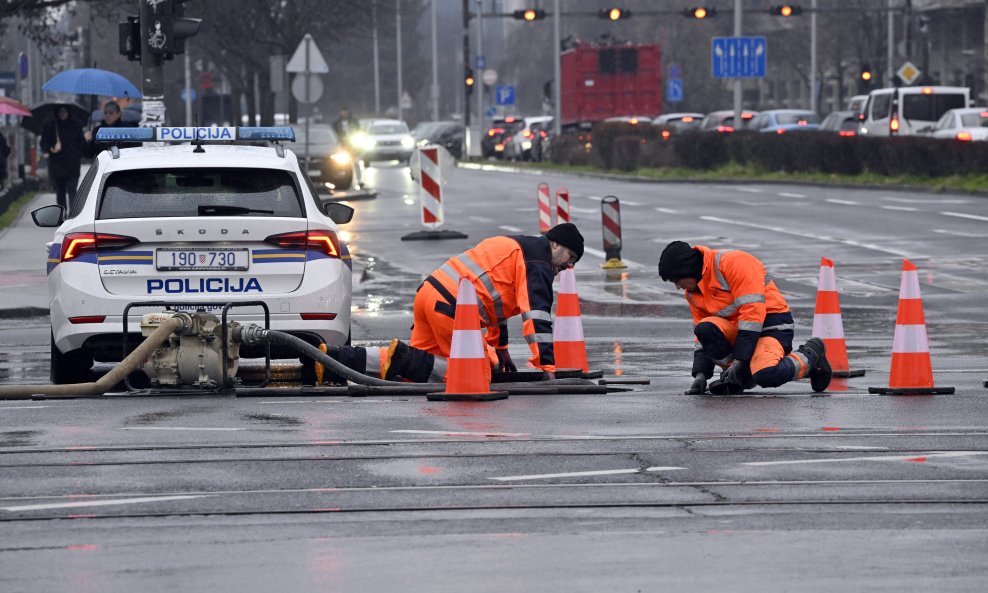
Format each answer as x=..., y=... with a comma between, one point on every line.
x=70, y=367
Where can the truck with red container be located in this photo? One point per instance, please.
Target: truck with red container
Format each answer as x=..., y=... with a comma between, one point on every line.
x=599, y=82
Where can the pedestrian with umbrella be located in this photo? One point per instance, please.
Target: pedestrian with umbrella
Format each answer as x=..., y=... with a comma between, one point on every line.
x=62, y=140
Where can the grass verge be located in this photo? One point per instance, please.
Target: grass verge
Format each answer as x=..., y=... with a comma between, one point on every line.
x=15, y=208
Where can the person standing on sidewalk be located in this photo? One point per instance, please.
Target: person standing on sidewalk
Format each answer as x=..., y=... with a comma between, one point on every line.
x=112, y=118
x=62, y=140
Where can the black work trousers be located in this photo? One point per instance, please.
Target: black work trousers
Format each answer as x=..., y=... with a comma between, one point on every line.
x=64, y=190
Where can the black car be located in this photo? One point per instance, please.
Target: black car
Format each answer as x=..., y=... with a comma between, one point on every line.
x=499, y=134
x=328, y=162
x=448, y=134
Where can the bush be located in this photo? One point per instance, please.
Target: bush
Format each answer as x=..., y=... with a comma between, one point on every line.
x=606, y=133
x=701, y=150
x=627, y=150
x=569, y=150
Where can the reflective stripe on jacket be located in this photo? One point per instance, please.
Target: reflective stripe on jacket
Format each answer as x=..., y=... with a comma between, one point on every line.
x=513, y=276
x=735, y=286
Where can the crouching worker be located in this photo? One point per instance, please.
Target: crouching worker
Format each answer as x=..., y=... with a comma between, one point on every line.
x=741, y=322
x=512, y=275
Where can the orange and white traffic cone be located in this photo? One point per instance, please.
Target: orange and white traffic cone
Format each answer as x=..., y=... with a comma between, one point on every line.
x=912, y=373
x=468, y=369
x=567, y=328
x=827, y=323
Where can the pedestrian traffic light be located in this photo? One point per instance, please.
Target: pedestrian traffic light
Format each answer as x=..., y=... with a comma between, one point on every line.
x=529, y=14
x=786, y=10
x=164, y=28
x=130, y=39
x=700, y=12
x=469, y=80
x=614, y=14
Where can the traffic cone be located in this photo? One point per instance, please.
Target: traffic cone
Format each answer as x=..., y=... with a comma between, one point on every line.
x=827, y=323
x=912, y=373
x=567, y=328
x=468, y=369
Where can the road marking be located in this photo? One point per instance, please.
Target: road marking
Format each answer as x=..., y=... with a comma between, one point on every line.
x=453, y=433
x=603, y=472
x=602, y=255
x=667, y=210
x=750, y=190
x=850, y=242
x=22, y=407
x=900, y=208
x=98, y=503
x=961, y=234
x=481, y=219
x=883, y=458
x=933, y=201
x=962, y=215
x=510, y=229
x=844, y=202
x=789, y=195
x=583, y=210
x=177, y=428
x=623, y=202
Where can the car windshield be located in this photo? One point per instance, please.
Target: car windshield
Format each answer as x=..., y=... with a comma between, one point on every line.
x=389, y=128
x=930, y=107
x=165, y=193
x=321, y=134
x=798, y=118
x=427, y=129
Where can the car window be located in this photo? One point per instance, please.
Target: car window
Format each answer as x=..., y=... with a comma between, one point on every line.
x=930, y=107
x=972, y=120
x=880, y=106
x=83, y=192
x=945, y=121
x=144, y=193
x=797, y=118
x=389, y=128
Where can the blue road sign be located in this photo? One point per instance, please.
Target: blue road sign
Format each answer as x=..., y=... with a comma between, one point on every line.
x=739, y=57
x=187, y=92
x=674, y=90
x=481, y=62
x=674, y=71
x=504, y=95
x=491, y=112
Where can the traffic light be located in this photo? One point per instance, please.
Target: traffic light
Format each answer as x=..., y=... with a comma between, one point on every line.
x=614, y=14
x=130, y=39
x=469, y=81
x=529, y=14
x=700, y=12
x=786, y=10
x=866, y=74
x=165, y=28
x=182, y=26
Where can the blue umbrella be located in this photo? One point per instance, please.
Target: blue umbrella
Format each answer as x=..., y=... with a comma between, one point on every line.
x=92, y=81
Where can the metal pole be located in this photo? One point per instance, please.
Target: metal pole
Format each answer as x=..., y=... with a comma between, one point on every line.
x=377, y=65
x=737, y=81
x=188, y=86
x=478, y=84
x=398, y=50
x=473, y=144
x=434, y=95
x=891, y=37
x=308, y=99
x=813, y=65
x=152, y=73
x=557, y=91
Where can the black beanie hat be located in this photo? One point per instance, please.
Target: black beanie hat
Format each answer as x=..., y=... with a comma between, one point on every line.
x=567, y=235
x=678, y=261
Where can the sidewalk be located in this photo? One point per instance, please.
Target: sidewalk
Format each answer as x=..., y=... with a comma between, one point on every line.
x=23, y=260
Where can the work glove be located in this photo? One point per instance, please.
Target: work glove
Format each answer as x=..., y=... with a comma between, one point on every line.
x=504, y=362
x=699, y=385
x=736, y=373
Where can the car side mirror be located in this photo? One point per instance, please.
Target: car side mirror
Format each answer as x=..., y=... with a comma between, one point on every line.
x=339, y=213
x=48, y=216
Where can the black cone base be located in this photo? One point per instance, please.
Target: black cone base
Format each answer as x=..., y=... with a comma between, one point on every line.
x=849, y=374
x=433, y=235
x=911, y=390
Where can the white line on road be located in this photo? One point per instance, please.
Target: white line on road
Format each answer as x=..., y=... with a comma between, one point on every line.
x=583, y=210
x=926, y=201
x=453, y=433
x=961, y=234
x=177, y=428
x=882, y=458
x=668, y=210
x=510, y=229
x=97, y=503
x=750, y=190
x=789, y=195
x=22, y=407
x=962, y=215
x=900, y=208
x=603, y=472
x=844, y=202
x=480, y=219
x=850, y=242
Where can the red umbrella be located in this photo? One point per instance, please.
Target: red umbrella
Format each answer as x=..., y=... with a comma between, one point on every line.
x=9, y=106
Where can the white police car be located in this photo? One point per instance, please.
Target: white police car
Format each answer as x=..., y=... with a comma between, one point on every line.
x=193, y=222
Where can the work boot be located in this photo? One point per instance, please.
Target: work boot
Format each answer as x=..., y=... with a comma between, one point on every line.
x=396, y=361
x=820, y=372
x=718, y=387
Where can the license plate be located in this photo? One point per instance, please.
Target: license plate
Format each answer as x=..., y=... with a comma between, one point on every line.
x=202, y=258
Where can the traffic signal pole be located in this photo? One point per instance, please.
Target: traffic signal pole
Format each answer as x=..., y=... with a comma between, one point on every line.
x=152, y=69
x=737, y=81
x=557, y=51
x=473, y=144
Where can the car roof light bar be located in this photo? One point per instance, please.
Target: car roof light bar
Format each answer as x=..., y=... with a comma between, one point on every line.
x=201, y=134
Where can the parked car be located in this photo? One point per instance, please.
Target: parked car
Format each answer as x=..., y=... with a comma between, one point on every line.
x=526, y=142
x=723, y=121
x=903, y=111
x=844, y=123
x=448, y=134
x=967, y=125
x=329, y=163
x=384, y=139
x=781, y=121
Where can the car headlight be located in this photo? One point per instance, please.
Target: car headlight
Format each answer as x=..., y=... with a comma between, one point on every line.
x=362, y=141
x=407, y=142
x=423, y=142
x=341, y=158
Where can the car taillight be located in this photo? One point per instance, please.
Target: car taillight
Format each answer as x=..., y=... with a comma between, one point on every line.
x=666, y=134
x=77, y=244
x=687, y=119
x=964, y=136
x=318, y=316
x=633, y=121
x=847, y=133
x=725, y=129
x=527, y=133
x=324, y=242
x=894, y=125
x=780, y=131
x=543, y=134
x=87, y=319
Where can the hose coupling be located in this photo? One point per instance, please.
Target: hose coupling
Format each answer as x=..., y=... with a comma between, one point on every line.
x=249, y=334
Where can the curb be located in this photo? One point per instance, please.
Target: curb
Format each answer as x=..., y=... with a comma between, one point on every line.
x=726, y=180
x=23, y=312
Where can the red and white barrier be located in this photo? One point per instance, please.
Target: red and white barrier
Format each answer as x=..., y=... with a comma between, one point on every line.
x=610, y=215
x=430, y=187
x=562, y=205
x=545, y=209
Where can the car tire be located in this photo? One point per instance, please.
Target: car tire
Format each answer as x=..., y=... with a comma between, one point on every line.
x=70, y=367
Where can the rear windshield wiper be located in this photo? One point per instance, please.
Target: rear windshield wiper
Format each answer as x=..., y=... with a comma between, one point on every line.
x=223, y=210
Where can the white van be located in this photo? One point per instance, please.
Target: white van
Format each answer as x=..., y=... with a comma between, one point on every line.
x=903, y=111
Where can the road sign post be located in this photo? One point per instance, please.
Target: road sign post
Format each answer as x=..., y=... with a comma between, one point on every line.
x=308, y=63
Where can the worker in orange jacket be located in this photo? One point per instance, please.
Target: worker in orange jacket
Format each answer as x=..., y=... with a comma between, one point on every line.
x=512, y=275
x=740, y=321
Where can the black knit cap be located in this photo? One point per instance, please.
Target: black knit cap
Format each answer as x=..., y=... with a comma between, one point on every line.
x=567, y=235
x=678, y=261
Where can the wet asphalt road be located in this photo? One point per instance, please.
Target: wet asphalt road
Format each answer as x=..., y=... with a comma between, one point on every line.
x=647, y=490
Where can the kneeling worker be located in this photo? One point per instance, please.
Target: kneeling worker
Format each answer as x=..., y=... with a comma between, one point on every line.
x=741, y=322
x=513, y=276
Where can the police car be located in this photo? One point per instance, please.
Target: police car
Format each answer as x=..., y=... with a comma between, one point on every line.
x=225, y=216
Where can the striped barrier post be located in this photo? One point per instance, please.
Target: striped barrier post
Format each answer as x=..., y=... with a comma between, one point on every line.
x=562, y=205
x=431, y=198
x=545, y=209
x=610, y=213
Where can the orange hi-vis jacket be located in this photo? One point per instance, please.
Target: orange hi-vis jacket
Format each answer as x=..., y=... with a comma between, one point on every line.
x=513, y=276
x=735, y=286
